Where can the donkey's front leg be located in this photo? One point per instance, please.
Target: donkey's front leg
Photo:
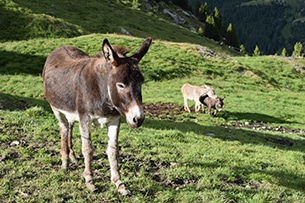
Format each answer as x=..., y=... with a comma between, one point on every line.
x=197, y=106
x=186, y=106
x=87, y=150
x=112, y=152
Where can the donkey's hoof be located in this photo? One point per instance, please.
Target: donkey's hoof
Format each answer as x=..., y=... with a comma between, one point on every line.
x=123, y=190
x=64, y=165
x=91, y=186
x=73, y=158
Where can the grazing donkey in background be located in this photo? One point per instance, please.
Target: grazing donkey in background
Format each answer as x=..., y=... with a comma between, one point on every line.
x=191, y=92
x=99, y=89
x=210, y=102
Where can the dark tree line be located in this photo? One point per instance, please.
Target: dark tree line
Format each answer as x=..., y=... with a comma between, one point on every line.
x=258, y=27
x=215, y=26
x=270, y=26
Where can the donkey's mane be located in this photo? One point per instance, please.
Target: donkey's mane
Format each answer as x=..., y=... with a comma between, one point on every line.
x=120, y=50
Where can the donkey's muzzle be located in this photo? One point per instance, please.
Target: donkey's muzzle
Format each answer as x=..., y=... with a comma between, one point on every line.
x=138, y=120
x=135, y=117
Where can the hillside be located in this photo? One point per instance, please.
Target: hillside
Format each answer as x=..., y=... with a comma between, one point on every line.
x=253, y=151
x=21, y=20
x=272, y=25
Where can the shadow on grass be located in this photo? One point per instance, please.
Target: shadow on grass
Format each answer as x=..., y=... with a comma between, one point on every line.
x=15, y=63
x=12, y=25
x=257, y=117
x=19, y=103
x=243, y=136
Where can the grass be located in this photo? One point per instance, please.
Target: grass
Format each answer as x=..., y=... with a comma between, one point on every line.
x=234, y=156
x=56, y=19
x=195, y=158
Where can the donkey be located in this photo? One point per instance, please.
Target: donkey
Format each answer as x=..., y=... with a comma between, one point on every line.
x=191, y=92
x=99, y=89
x=210, y=102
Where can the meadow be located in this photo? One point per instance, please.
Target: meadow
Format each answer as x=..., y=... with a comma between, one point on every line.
x=253, y=151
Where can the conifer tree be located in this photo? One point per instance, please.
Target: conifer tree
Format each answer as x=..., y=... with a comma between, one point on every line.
x=200, y=31
x=219, y=22
x=136, y=4
x=284, y=52
x=210, y=30
x=256, y=52
x=203, y=12
x=243, y=50
x=298, y=50
x=231, y=38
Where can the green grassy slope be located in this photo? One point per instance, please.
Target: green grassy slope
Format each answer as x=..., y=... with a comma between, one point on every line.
x=253, y=151
x=30, y=19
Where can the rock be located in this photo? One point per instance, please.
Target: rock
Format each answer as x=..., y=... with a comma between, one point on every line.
x=210, y=134
x=123, y=31
x=176, y=18
x=15, y=143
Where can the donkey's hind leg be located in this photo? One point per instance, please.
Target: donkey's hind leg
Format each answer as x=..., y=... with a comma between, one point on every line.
x=72, y=156
x=66, y=139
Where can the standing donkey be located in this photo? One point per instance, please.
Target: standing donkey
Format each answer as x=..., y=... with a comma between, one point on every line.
x=210, y=102
x=100, y=89
x=191, y=92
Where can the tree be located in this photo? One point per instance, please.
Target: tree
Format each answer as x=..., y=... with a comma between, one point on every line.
x=136, y=4
x=203, y=12
x=298, y=50
x=200, y=31
x=219, y=22
x=231, y=37
x=210, y=30
x=243, y=50
x=284, y=52
x=256, y=52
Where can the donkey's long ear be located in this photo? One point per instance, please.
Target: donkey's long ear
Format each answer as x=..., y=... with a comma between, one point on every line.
x=109, y=54
x=142, y=50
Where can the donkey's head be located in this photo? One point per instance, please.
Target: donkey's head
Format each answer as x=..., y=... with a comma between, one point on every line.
x=219, y=103
x=125, y=81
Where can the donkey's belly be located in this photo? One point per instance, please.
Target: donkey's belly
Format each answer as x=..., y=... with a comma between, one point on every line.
x=101, y=121
x=70, y=116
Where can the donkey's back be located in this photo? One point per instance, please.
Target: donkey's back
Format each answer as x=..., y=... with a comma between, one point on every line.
x=193, y=92
x=66, y=78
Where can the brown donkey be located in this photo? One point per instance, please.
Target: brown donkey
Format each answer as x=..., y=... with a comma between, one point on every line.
x=216, y=104
x=100, y=89
x=191, y=92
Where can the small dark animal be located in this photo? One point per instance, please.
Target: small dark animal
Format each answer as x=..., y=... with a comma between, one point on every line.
x=210, y=102
x=94, y=89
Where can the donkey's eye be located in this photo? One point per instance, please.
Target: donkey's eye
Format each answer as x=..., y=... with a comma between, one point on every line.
x=120, y=85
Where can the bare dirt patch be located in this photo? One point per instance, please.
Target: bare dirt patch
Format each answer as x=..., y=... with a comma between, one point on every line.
x=161, y=110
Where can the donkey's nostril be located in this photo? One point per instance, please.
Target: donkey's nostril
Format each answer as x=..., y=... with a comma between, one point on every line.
x=138, y=120
x=135, y=119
